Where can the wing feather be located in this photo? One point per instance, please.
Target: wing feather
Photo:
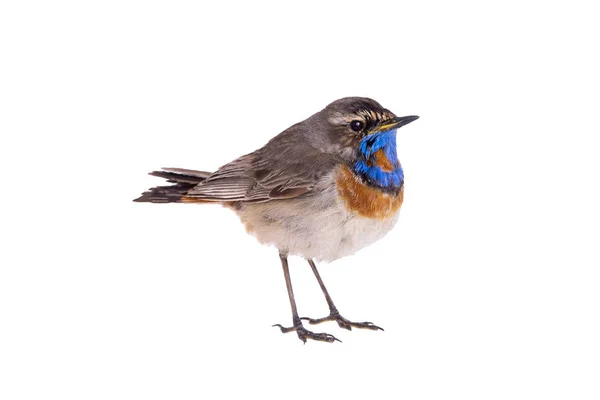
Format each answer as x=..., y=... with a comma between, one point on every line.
x=285, y=168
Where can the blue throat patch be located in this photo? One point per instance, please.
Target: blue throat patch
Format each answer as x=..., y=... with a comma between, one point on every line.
x=366, y=166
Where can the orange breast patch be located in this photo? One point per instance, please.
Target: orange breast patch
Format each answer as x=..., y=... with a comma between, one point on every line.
x=367, y=201
x=382, y=161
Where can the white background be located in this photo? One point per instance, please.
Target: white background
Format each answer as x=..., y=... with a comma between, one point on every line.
x=487, y=288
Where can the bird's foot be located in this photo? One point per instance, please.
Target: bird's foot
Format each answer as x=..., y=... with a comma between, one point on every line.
x=304, y=334
x=343, y=322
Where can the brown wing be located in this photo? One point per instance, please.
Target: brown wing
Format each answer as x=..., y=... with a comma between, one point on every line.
x=285, y=168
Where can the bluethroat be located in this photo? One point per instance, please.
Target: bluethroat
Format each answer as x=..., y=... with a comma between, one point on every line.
x=322, y=189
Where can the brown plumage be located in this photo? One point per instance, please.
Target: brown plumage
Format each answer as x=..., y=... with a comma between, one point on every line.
x=366, y=200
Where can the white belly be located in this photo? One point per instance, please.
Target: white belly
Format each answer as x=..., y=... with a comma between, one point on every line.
x=317, y=227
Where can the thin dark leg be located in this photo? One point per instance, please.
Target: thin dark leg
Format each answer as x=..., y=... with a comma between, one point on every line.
x=334, y=314
x=288, y=284
x=302, y=332
x=323, y=288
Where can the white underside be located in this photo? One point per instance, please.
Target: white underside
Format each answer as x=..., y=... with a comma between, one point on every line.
x=317, y=227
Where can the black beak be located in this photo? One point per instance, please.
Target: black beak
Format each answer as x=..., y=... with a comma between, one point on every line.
x=394, y=123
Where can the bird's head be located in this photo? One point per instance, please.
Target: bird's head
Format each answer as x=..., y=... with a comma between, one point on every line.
x=363, y=133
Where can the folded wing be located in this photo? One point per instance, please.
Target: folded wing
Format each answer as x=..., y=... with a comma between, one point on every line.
x=282, y=169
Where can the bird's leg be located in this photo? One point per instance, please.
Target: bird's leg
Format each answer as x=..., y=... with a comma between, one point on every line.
x=302, y=332
x=334, y=314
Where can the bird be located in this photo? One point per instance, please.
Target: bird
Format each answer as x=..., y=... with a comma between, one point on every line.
x=322, y=189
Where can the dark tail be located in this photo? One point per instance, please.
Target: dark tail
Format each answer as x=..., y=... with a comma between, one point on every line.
x=183, y=180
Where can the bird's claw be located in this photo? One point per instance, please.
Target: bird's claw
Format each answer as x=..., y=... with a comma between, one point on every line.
x=343, y=322
x=304, y=334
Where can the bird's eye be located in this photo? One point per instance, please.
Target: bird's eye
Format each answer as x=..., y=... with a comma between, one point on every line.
x=356, y=125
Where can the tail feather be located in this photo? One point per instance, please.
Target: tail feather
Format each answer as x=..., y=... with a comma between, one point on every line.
x=183, y=181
